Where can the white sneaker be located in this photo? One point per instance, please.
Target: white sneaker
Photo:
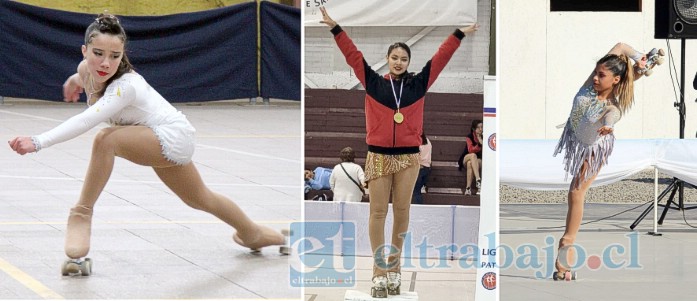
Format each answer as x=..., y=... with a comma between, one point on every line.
x=479, y=184
x=468, y=191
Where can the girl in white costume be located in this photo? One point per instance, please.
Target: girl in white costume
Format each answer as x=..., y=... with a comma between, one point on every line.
x=145, y=129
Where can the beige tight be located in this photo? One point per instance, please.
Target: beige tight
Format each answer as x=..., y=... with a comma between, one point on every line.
x=401, y=185
x=574, y=215
x=473, y=165
x=139, y=145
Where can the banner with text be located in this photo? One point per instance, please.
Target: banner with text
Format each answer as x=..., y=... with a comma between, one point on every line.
x=392, y=12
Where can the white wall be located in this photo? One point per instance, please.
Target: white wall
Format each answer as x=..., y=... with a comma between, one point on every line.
x=545, y=57
x=325, y=66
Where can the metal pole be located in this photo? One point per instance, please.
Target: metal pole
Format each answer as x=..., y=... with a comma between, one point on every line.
x=655, y=203
x=681, y=186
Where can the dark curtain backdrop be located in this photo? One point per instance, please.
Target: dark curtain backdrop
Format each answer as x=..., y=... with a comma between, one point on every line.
x=201, y=56
x=280, y=51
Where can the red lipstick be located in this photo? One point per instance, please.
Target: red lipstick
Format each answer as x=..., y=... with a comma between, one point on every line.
x=102, y=73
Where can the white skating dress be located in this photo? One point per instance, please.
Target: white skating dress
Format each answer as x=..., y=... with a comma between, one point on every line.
x=130, y=100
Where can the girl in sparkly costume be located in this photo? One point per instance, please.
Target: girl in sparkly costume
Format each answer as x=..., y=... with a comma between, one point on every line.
x=588, y=137
x=394, y=106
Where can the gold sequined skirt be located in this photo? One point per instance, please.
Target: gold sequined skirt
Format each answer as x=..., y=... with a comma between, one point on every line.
x=378, y=165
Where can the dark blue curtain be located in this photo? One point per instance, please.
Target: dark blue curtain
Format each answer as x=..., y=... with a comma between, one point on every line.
x=280, y=51
x=201, y=56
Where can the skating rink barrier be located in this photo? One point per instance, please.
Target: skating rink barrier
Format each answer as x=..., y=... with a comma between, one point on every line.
x=529, y=164
x=433, y=229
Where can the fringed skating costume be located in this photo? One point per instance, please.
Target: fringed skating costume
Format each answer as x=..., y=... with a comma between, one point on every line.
x=580, y=138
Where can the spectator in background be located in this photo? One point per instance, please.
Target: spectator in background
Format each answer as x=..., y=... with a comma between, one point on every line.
x=317, y=179
x=471, y=157
x=425, y=170
x=347, y=179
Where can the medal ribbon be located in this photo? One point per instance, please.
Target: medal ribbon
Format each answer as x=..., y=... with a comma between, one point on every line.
x=394, y=92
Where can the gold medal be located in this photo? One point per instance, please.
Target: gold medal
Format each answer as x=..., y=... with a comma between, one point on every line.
x=398, y=117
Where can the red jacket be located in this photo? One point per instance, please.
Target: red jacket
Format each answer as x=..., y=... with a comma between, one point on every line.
x=384, y=135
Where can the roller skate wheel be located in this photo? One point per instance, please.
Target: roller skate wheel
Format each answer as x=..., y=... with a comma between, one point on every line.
x=378, y=293
x=64, y=268
x=567, y=276
x=394, y=291
x=86, y=267
x=659, y=61
x=648, y=72
x=256, y=250
x=70, y=266
x=284, y=250
x=661, y=52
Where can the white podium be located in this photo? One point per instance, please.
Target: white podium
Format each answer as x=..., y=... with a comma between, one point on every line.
x=352, y=295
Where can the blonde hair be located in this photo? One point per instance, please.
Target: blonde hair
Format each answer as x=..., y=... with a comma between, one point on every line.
x=620, y=66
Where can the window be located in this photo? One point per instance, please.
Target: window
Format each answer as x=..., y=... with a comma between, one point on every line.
x=596, y=5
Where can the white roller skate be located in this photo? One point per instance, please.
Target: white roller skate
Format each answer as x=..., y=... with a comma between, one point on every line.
x=379, y=289
x=564, y=275
x=653, y=58
x=563, y=270
x=394, y=282
x=267, y=237
x=77, y=242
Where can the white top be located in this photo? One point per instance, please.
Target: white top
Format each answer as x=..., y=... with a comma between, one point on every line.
x=344, y=189
x=425, y=151
x=128, y=100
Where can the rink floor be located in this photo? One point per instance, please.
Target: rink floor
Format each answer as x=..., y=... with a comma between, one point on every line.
x=633, y=265
x=146, y=243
